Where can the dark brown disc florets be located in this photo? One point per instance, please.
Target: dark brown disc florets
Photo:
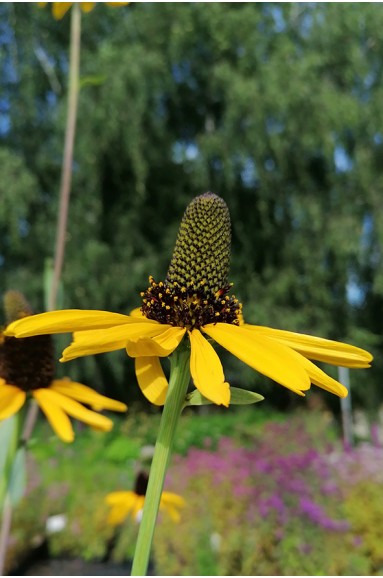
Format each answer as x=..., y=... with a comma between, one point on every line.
x=187, y=307
x=196, y=288
x=27, y=363
x=141, y=484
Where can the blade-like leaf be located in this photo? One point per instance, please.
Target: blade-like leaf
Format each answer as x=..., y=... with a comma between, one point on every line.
x=238, y=397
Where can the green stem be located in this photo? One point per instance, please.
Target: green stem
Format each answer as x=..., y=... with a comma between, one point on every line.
x=5, y=499
x=178, y=384
x=70, y=131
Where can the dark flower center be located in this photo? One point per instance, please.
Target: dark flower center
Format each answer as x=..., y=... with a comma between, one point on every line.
x=189, y=307
x=196, y=288
x=141, y=484
x=27, y=363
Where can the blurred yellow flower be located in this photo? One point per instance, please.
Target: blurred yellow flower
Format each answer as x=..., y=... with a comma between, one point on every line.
x=130, y=503
x=59, y=9
x=27, y=368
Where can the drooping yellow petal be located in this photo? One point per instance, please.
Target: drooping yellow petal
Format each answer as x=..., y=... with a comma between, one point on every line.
x=206, y=370
x=171, y=503
x=11, y=399
x=68, y=321
x=151, y=379
x=76, y=410
x=317, y=348
x=171, y=499
x=121, y=504
x=55, y=415
x=160, y=345
x=59, y=9
x=321, y=379
x=85, y=394
x=261, y=353
x=109, y=339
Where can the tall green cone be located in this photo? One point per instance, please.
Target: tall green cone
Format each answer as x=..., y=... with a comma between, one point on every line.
x=195, y=291
x=202, y=252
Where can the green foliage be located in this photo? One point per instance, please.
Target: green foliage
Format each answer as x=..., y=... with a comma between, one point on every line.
x=225, y=483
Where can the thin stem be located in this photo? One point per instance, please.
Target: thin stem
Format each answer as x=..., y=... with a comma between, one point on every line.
x=30, y=421
x=178, y=383
x=5, y=530
x=70, y=131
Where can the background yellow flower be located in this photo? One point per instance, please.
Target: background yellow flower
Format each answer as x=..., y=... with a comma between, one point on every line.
x=59, y=9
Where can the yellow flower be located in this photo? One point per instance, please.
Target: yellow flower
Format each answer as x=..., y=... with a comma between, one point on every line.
x=27, y=368
x=193, y=304
x=59, y=9
x=131, y=503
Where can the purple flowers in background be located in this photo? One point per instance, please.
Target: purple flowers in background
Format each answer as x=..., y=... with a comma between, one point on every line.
x=286, y=474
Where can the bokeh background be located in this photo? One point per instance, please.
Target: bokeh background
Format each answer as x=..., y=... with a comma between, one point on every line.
x=276, y=107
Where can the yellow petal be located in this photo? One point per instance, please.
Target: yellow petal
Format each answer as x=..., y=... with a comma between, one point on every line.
x=170, y=503
x=317, y=348
x=68, y=321
x=120, y=498
x=59, y=9
x=76, y=410
x=171, y=499
x=11, y=399
x=42, y=4
x=160, y=345
x=85, y=394
x=321, y=379
x=138, y=505
x=116, y=4
x=137, y=313
x=109, y=339
x=206, y=370
x=261, y=353
x=87, y=6
x=122, y=504
x=57, y=418
x=151, y=379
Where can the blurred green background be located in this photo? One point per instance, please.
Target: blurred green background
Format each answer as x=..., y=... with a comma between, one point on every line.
x=275, y=107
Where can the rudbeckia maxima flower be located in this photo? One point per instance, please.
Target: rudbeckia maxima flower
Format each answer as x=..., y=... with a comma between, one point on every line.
x=130, y=503
x=59, y=9
x=194, y=305
x=27, y=369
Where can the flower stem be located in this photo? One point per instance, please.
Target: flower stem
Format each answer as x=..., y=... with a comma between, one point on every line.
x=70, y=131
x=178, y=384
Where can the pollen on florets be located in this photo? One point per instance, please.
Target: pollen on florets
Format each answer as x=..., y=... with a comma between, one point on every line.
x=187, y=307
x=195, y=291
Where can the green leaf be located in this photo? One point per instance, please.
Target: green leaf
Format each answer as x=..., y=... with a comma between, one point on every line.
x=92, y=80
x=238, y=397
x=17, y=480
